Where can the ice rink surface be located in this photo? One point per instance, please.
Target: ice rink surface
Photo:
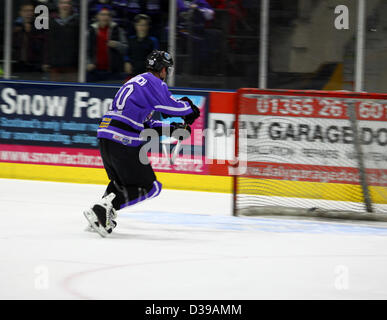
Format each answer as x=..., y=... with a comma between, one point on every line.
x=181, y=245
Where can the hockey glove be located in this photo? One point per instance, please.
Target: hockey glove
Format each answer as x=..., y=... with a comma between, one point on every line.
x=180, y=131
x=187, y=100
x=190, y=118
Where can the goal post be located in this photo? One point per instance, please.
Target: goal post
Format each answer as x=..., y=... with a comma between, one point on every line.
x=311, y=153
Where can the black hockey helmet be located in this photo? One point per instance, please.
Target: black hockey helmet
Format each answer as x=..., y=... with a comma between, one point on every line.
x=157, y=60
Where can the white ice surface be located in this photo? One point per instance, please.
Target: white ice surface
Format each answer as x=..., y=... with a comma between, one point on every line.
x=181, y=245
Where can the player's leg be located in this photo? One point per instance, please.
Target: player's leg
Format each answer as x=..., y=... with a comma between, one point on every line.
x=131, y=182
x=101, y=215
x=135, y=182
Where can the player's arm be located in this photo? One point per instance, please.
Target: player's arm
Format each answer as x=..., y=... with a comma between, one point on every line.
x=160, y=126
x=191, y=117
x=169, y=106
x=157, y=125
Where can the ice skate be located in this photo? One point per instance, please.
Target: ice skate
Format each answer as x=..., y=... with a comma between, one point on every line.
x=89, y=228
x=100, y=216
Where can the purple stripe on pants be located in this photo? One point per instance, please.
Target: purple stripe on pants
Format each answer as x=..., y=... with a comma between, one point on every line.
x=154, y=192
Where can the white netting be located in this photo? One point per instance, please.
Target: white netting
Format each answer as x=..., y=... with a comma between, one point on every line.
x=302, y=151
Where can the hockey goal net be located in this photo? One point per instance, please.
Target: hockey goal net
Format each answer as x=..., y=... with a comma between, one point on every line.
x=311, y=153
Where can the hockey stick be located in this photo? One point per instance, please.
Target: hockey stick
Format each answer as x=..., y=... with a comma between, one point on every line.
x=177, y=148
x=176, y=151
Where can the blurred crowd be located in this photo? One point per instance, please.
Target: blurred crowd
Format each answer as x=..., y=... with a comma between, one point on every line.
x=121, y=34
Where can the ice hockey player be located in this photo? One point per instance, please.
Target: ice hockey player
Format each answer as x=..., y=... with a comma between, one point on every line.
x=132, y=181
x=131, y=111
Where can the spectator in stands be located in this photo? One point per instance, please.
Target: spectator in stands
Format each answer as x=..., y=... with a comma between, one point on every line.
x=96, y=5
x=186, y=7
x=118, y=9
x=236, y=13
x=140, y=45
x=62, y=43
x=153, y=8
x=50, y=4
x=192, y=18
x=107, y=47
x=27, y=49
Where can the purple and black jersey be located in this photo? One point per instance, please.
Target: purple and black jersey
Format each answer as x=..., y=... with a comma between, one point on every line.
x=132, y=108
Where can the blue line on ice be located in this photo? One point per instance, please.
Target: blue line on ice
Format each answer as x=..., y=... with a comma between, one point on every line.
x=251, y=224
